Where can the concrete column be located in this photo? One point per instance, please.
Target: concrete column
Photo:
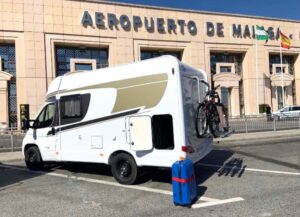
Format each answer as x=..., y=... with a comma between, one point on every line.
x=289, y=95
x=274, y=99
x=235, y=101
x=297, y=79
x=4, y=103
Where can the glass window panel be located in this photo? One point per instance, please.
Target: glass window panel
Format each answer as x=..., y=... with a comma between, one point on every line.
x=62, y=66
x=4, y=56
x=7, y=53
x=71, y=107
x=279, y=97
x=49, y=115
x=235, y=58
x=96, y=53
x=224, y=96
x=83, y=66
x=76, y=52
x=103, y=54
x=147, y=54
x=225, y=69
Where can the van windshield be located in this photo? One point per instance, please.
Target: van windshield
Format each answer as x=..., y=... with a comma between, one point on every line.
x=285, y=109
x=45, y=118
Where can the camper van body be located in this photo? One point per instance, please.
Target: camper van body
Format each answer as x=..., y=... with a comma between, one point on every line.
x=146, y=109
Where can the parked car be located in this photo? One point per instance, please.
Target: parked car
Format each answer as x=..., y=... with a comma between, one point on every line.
x=291, y=111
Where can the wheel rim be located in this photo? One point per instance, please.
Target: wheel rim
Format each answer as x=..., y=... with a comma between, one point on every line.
x=202, y=122
x=124, y=169
x=32, y=157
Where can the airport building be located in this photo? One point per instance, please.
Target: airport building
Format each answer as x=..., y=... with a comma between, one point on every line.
x=43, y=39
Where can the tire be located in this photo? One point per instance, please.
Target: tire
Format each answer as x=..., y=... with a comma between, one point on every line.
x=124, y=169
x=201, y=121
x=214, y=121
x=33, y=158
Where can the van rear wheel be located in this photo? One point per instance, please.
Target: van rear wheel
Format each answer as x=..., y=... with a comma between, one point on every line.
x=33, y=158
x=124, y=169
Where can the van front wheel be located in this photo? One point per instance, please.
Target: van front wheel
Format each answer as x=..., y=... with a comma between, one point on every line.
x=124, y=169
x=33, y=158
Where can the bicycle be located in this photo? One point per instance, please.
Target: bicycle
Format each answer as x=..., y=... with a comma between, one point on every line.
x=211, y=116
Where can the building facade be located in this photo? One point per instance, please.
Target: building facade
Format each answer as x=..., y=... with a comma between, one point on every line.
x=42, y=39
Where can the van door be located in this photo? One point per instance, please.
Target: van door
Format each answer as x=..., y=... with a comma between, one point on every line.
x=76, y=141
x=194, y=91
x=140, y=133
x=44, y=134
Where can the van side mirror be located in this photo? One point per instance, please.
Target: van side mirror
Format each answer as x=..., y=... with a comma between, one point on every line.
x=53, y=131
x=33, y=125
x=26, y=124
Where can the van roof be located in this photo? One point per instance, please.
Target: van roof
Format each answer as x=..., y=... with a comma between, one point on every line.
x=103, y=75
x=155, y=59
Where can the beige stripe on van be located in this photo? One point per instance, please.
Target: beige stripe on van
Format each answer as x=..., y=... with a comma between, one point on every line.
x=147, y=95
x=136, y=92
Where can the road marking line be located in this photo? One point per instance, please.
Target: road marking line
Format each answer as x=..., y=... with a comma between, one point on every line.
x=250, y=169
x=206, y=204
x=9, y=186
x=141, y=188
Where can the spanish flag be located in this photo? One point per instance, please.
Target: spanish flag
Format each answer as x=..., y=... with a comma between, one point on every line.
x=285, y=41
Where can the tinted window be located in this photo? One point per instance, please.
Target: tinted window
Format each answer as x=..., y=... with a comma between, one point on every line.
x=8, y=56
x=296, y=108
x=64, y=54
x=73, y=108
x=147, y=54
x=83, y=66
x=46, y=116
x=225, y=69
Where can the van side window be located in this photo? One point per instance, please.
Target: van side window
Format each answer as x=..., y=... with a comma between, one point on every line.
x=73, y=108
x=162, y=132
x=296, y=108
x=45, y=118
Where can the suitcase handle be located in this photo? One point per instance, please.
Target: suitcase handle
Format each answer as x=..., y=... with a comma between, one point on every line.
x=175, y=179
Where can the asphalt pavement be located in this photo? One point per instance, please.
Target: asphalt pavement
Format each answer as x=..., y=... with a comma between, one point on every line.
x=253, y=179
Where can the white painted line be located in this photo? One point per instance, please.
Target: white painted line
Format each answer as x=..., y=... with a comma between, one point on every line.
x=141, y=188
x=250, y=169
x=9, y=186
x=206, y=204
x=208, y=199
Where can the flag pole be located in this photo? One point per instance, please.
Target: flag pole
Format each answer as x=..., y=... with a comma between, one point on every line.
x=256, y=69
x=282, y=87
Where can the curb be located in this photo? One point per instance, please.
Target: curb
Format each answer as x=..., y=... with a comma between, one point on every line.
x=11, y=156
x=12, y=160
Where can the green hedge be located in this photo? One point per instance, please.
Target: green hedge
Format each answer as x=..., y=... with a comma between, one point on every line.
x=262, y=108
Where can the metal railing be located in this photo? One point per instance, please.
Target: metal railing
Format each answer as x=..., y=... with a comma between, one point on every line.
x=11, y=139
x=248, y=124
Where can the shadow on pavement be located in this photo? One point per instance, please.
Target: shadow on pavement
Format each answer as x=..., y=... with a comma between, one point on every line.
x=268, y=159
x=10, y=177
x=219, y=157
x=233, y=168
x=87, y=168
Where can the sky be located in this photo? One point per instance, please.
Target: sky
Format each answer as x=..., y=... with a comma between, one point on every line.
x=285, y=9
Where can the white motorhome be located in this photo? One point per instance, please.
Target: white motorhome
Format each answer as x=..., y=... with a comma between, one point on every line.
x=128, y=116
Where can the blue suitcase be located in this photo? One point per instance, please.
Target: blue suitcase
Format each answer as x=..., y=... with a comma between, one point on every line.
x=183, y=183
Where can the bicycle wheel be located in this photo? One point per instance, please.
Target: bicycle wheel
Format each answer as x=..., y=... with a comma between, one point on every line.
x=214, y=121
x=201, y=121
